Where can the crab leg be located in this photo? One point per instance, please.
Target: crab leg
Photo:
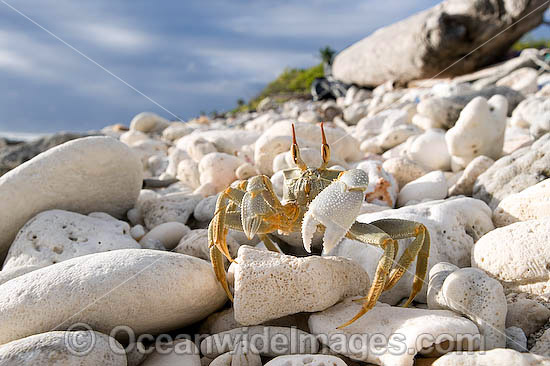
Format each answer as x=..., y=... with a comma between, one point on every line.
x=232, y=220
x=420, y=247
x=254, y=211
x=219, y=270
x=269, y=244
x=370, y=234
x=217, y=230
x=378, y=233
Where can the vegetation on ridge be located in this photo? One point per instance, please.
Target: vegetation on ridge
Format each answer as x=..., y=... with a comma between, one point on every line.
x=292, y=82
x=289, y=84
x=530, y=42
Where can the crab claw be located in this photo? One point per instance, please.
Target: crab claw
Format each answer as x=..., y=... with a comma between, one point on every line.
x=256, y=205
x=335, y=208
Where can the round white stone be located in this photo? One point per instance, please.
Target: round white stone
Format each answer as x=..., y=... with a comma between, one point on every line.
x=478, y=131
x=432, y=186
x=429, y=150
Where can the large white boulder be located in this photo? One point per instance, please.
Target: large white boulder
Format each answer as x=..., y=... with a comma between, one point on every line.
x=148, y=290
x=92, y=174
x=433, y=43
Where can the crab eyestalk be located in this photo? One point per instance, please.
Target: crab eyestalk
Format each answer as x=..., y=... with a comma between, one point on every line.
x=295, y=151
x=325, y=149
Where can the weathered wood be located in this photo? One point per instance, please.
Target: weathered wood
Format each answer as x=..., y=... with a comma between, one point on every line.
x=432, y=43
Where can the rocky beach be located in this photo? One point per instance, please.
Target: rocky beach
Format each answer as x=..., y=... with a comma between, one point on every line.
x=106, y=245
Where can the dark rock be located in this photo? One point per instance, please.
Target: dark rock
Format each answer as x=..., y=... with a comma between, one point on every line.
x=15, y=153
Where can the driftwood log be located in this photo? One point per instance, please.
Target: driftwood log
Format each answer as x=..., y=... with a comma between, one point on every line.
x=431, y=42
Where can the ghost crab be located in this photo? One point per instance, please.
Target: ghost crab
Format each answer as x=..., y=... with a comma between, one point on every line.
x=317, y=199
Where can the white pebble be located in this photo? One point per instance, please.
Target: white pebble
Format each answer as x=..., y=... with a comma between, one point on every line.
x=432, y=186
x=169, y=234
x=137, y=232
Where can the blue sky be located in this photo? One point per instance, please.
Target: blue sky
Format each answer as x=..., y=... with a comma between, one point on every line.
x=188, y=56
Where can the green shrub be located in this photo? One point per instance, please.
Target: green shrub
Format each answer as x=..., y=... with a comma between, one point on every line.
x=327, y=54
x=529, y=42
x=291, y=82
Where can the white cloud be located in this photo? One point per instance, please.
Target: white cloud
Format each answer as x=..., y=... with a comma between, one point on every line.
x=113, y=37
x=13, y=61
x=94, y=22
x=329, y=19
x=53, y=63
x=31, y=58
x=254, y=64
